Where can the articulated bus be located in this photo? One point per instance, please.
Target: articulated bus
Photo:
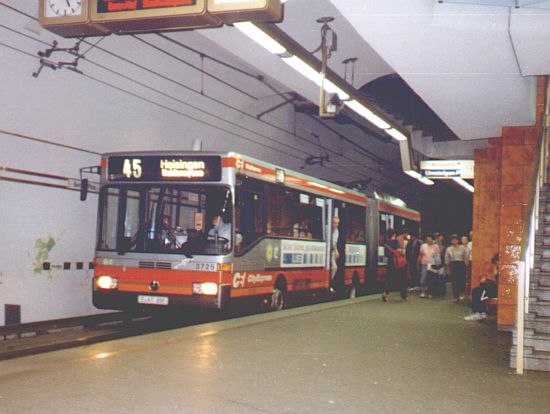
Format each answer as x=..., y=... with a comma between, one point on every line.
x=208, y=229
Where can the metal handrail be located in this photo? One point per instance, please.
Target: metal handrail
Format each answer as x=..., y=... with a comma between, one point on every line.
x=530, y=226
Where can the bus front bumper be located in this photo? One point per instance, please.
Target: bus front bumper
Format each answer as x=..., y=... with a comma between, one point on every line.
x=114, y=299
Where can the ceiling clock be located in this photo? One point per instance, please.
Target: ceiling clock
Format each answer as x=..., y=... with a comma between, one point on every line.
x=69, y=18
x=59, y=8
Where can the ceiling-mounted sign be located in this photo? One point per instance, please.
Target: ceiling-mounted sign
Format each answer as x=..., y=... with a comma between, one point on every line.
x=68, y=18
x=448, y=169
x=232, y=11
x=134, y=16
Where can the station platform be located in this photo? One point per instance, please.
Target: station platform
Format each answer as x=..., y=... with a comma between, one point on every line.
x=353, y=356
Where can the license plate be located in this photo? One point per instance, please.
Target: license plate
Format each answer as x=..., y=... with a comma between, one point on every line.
x=152, y=300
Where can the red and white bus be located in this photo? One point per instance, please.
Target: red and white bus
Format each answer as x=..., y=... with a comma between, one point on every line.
x=206, y=229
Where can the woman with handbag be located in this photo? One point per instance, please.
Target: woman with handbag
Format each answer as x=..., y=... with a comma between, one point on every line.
x=396, y=277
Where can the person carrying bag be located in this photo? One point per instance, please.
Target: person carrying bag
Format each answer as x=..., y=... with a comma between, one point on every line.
x=399, y=259
x=396, y=276
x=436, y=277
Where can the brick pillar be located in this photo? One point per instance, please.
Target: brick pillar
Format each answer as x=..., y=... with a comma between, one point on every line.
x=486, y=209
x=518, y=154
x=503, y=174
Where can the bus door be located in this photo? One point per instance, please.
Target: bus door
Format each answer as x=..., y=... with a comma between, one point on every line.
x=334, y=238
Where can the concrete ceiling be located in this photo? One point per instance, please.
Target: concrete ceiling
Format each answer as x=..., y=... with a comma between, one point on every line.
x=473, y=65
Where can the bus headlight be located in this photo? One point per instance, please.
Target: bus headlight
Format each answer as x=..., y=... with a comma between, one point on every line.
x=106, y=282
x=207, y=288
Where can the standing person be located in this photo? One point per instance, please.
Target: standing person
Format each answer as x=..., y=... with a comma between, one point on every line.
x=396, y=279
x=412, y=251
x=334, y=254
x=426, y=257
x=404, y=238
x=456, y=261
x=436, y=277
x=440, y=241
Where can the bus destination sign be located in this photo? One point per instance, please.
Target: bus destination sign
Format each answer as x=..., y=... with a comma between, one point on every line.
x=163, y=168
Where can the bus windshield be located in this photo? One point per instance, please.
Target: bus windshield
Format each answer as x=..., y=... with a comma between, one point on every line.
x=170, y=219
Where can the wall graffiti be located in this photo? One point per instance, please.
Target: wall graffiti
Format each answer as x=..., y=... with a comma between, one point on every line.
x=43, y=248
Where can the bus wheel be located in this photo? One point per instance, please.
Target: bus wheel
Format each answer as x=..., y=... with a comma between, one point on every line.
x=278, y=297
x=278, y=300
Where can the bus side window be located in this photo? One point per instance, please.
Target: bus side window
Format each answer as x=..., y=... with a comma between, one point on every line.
x=278, y=220
x=249, y=218
x=356, y=224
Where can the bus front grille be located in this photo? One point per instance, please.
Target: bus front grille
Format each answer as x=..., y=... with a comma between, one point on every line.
x=155, y=265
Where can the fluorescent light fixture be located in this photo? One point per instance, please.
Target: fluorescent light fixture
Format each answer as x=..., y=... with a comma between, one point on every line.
x=413, y=174
x=367, y=114
x=260, y=37
x=270, y=44
x=302, y=67
x=396, y=134
x=309, y=72
x=464, y=184
x=416, y=175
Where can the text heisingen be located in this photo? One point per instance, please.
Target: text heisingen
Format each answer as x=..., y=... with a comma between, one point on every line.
x=182, y=169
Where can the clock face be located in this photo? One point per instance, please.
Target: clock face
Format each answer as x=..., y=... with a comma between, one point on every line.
x=61, y=8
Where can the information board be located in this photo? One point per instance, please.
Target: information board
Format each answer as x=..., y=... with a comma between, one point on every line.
x=441, y=169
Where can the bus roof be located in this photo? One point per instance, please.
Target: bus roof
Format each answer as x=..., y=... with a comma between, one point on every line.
x=387, y=207
x=273, y=173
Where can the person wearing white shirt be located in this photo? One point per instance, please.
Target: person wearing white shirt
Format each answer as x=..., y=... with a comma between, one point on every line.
x=334, y=253
x=220, y=231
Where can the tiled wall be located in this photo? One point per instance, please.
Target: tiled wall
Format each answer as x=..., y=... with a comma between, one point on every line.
x=503, y=174
x=518, y=155
x=486, y=209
